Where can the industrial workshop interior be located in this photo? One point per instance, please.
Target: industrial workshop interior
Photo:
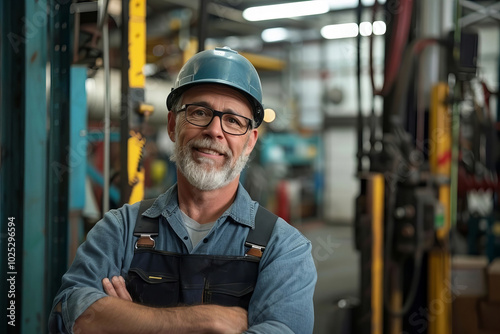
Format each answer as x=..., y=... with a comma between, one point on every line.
x=380, y=144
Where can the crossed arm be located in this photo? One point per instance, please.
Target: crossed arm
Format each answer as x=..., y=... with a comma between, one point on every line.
x=118, y=314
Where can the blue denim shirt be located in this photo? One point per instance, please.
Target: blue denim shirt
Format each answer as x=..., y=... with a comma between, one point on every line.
x=282, y=301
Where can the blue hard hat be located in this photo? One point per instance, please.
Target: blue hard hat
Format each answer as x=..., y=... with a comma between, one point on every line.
x=221, y=66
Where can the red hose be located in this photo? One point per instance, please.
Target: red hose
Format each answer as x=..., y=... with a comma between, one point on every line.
x=399, y=38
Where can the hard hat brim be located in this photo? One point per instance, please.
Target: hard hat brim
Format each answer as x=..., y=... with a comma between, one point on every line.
x=257, y=107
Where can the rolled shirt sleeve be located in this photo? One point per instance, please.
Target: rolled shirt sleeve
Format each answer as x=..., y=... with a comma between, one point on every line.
x=101, y=255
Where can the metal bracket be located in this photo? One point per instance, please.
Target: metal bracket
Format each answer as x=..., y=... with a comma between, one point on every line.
x=255, y=250
x=145, y=241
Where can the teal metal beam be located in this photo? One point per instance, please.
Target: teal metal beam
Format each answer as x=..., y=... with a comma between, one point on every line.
x=59, y=167
x=35, y=171
x=78, y=137
x=12, y=120
x=96, y=176
x=78, y=157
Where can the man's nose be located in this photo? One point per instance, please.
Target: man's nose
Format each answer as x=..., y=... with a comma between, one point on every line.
x=215, y=127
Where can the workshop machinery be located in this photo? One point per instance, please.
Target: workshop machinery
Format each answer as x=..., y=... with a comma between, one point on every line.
x=416, y=171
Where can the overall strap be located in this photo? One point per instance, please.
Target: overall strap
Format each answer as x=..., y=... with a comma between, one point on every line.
x=258, y=238
x=145, y=227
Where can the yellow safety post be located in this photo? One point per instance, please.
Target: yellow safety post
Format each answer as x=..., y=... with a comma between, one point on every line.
x=439, y=295
x=370, y=243
x=377, y=214
x=137, y=81
x=137, y=43
x=136, y=171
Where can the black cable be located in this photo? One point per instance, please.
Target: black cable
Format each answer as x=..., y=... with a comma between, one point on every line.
x=391, y=206
x=359, y=120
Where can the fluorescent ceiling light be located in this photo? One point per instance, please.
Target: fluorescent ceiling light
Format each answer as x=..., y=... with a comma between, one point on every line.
x=346, y=30
x=286, y=10
x=365, y=29
x=379, y=28
x=342, y=4
x=335, y=31
x=368, y=3
x=274, y=35
x=301, y=8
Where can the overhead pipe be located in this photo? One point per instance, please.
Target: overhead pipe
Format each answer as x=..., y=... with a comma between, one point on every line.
x=155, y=91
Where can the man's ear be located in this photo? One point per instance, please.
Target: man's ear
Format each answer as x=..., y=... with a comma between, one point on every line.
x=252, y=140
x=171, y=125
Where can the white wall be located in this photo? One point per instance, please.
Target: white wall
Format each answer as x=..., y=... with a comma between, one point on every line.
x=341, y=184
x=488, y=58
x=327, y=66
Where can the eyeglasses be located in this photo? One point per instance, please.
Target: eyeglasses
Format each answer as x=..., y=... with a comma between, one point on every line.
x=231, y=123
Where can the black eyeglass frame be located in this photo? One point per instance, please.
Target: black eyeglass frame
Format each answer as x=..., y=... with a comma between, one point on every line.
x=216, y=113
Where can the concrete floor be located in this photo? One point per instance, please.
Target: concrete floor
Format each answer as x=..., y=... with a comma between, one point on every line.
x=337, y=263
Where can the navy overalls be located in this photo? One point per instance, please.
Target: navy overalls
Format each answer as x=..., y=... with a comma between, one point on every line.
x=164, y=279
x=158, y=278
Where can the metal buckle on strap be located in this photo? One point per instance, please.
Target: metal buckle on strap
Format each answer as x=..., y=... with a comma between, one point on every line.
x=255, y=250
x=146, y=241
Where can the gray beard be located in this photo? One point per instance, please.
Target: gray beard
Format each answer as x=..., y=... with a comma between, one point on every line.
x=203, y=174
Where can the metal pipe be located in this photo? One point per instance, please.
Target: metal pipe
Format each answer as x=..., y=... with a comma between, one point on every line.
x=428, y=74
x=202, y=24
x=76, y=36
x=359, y=118
x=155, y=89
x=455, y=121
x=124, y=102
x=107, y=105
x=103, y=14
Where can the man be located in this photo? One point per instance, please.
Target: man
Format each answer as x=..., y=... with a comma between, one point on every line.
x=203, y=275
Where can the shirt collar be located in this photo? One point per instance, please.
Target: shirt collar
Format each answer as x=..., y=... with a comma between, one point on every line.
x=242, y=210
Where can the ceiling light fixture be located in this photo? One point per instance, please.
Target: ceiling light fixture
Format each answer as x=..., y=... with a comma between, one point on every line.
x=274, y=35
x=286, y=10
x=347, y=30
x=365, y=29
x=337, y=31
x=301, y=8
x=379, y=28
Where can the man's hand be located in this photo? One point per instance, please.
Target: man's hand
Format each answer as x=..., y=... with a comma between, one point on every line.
x=116, y=287
x=229, y=320
x=220, y=319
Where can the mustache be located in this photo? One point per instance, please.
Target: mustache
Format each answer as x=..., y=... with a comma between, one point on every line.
x=207, y=143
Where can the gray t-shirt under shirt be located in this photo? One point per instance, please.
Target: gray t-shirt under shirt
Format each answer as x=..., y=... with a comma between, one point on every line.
x=196, y=230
